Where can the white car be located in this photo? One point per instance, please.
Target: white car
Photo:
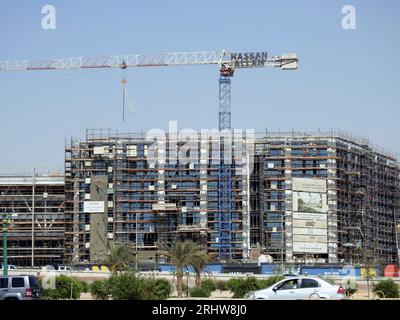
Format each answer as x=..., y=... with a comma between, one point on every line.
x=299, y=288
x=64, y=268
x=9, y=267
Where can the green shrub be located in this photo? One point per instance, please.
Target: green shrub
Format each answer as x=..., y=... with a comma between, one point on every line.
x=221, y=285
x=66, y=288
x=389, y=288
x=199, y=292
x=209, y=285
x=163, y=289
x=126, y=286
x=156, y=289
x=100, y=289
x=84, y=286
x=240, y=286
x=130, y=286
x=265, y=283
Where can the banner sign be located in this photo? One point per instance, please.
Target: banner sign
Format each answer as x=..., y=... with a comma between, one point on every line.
x=93, y=207
x=249, y=59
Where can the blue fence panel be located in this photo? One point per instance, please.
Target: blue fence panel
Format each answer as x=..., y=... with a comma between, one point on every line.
x=330, y=271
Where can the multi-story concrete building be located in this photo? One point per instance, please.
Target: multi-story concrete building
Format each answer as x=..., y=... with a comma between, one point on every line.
x=115, y=193
x=33, y=205
x=326, y=197
x=360, y=185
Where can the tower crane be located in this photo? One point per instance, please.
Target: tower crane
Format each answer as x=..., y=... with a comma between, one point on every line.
x=228, y=62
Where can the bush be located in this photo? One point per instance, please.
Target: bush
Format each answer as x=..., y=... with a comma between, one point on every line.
x=265, y=283
x=63, y=287
x=200, y=292
x=84, y=285
x=156, y=289
x=100, y=289
x=240, y=286
x=209, y=285
x=221, y=285
x=129, y=286
x=389, y=288
x=126, y=286
x=163, y=289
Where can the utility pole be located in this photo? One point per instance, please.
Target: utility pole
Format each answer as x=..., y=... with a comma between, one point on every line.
x=33, y=220
x=136, y=242
x=5, y=263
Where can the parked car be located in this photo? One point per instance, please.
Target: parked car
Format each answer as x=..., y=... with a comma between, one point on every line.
x=299, y=288
x=19, y=288
x=9, y=267
x=64, y=268
x=48, y=268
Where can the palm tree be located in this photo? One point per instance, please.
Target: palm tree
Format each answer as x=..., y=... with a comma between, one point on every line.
x=199, y=261
x=119, y=258
x=180, y=256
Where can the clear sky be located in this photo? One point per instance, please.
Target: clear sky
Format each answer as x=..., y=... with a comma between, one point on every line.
x=347, y=79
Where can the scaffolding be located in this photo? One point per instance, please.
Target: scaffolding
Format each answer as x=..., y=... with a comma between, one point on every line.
x=362, y=194
x=33, y=200
x=154, y=198
x=151, y=204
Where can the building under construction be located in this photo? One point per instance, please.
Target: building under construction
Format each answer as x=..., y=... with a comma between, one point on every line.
x=115, y=193
x=360, y=185
x=295, y=197
x=32, y=203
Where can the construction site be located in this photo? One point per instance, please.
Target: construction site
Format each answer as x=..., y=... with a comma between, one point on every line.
x=274, y=197
x=148, y=206
x=113, y=195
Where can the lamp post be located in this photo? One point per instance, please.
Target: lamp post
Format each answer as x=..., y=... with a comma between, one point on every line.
x=5, y=263
x=136, y=241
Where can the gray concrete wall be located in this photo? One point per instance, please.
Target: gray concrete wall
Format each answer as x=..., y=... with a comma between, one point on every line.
x=98, y=221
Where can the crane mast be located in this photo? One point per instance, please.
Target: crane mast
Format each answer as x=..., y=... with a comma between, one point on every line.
x=228, y=62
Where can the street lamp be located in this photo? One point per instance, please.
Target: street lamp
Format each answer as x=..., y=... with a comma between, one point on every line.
x=5, y=263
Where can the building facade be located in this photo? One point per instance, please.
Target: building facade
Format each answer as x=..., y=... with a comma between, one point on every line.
x=296, y=197
x=120, y=190
x=33, y=205
x=359, y=182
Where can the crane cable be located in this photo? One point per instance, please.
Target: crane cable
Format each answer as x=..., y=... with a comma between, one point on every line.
x=125, y=95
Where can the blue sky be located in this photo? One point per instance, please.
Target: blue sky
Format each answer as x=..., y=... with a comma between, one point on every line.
x=347, y=79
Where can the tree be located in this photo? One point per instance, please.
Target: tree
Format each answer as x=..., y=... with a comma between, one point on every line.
x=119, y=258
x=180, y=255
x=369, y=271
x=100, y=289
x=198, y=261
x=126, y=286
x=388, y=287
x=62, y=290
